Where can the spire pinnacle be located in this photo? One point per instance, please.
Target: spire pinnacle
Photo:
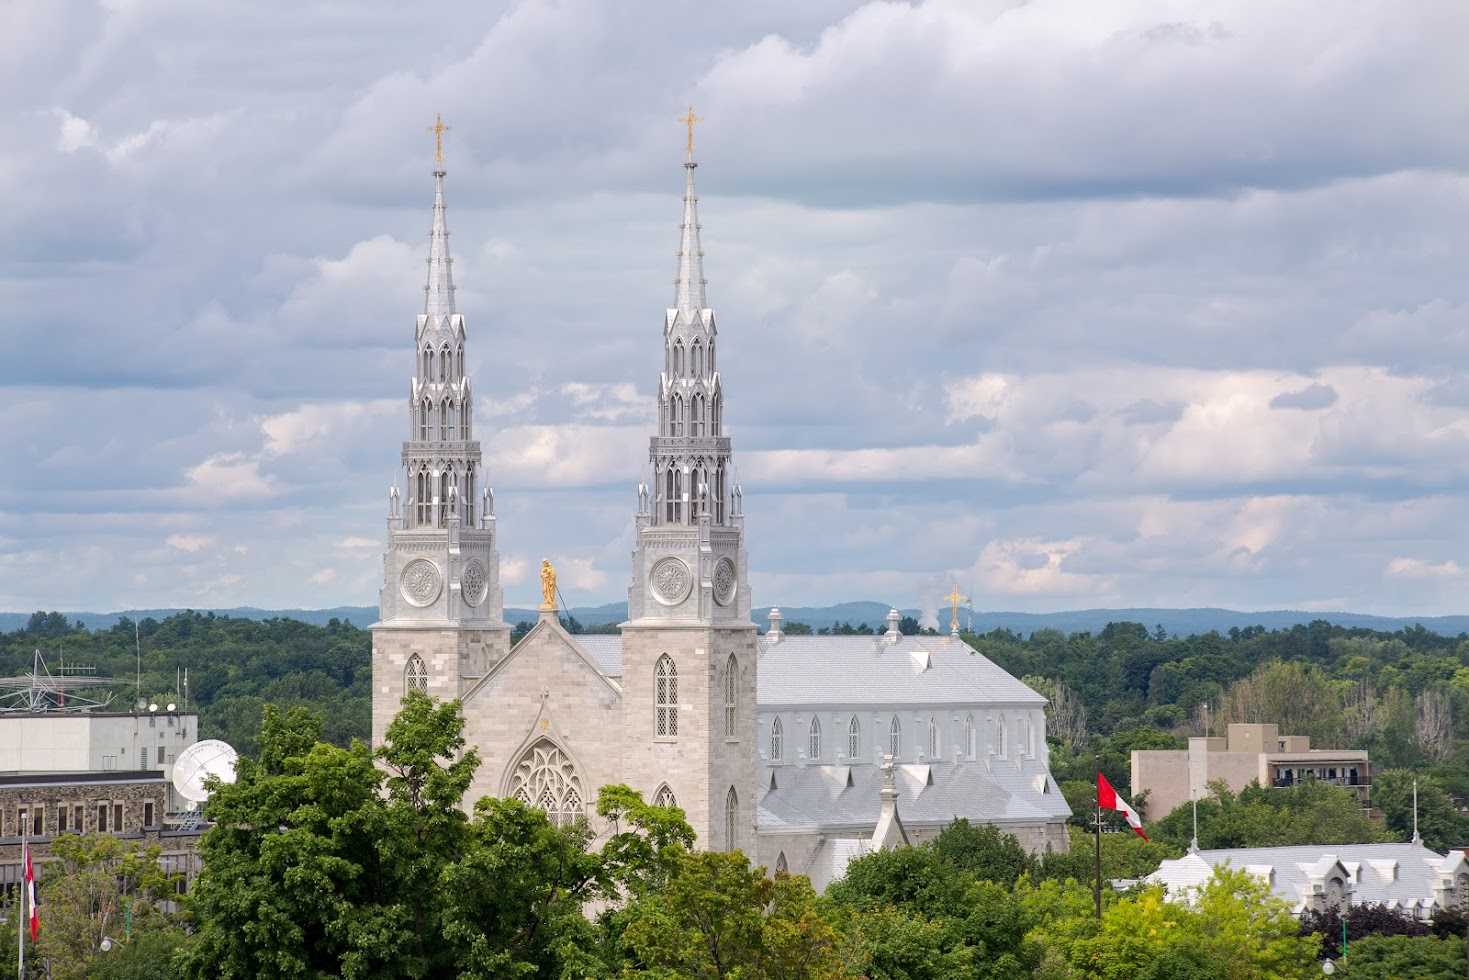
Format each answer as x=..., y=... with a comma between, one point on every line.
x=439, y=129
x=689, y=287
x=439, y=290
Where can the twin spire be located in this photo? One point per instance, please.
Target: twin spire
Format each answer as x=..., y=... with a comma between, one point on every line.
x=688, y=288
x=688, y=294
x=439, y=290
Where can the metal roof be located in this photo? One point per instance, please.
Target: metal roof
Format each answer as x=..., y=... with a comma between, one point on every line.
x=860, y=670
x=928, y=794
x=1402, y=876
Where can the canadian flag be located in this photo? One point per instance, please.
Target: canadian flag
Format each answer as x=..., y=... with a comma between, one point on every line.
x=31, y=893
x=1108, y=799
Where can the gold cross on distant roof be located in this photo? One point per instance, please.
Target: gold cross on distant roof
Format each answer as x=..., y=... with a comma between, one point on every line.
x=953, y=599
x=439, y=129
x=689, y=121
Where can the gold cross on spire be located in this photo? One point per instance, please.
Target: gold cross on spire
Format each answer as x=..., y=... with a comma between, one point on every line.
x=953, y=599
x=439, y=129
x=689, y=120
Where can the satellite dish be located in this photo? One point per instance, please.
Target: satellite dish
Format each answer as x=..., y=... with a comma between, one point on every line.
x=198, y=762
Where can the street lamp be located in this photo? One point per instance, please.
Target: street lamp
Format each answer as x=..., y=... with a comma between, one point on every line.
x=1328, y=968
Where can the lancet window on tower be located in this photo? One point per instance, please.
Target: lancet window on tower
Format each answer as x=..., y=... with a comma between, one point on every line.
x=424, y=499
x=425, y=420
x=698, y=358
x=696, y=427
x=446, y=421
x=731, y=819
x=678, y=359
x=665, y=696
x=464, y=417
x=731, y=697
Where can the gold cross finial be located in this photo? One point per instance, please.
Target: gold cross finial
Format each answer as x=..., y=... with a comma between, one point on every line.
x=439, y=129
x=953, y=599
x=689, y=120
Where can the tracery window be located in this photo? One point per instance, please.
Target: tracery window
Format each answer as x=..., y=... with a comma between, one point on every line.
x=444, y=363
x=731, y=819
x=933, y=738
x=698, y=351
x=416, y=674
x=895, y=738
x=664, y=797
x=780, y=864
x=696, y=425
x=546, y=779
x=425, y=503
x=813, y=739
x=666, y=696
x=425, y=420
x=446, y=421
x=731, y=697
x=1000, y=740
x=854, y=738
x=969, y=736
x=776, y=737
x=464, y=420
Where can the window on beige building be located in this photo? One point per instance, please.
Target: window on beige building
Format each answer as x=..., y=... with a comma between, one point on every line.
x=417, y=674
x=731, y=819
x=665, y=696
x=731, y=697
x=664, y=797
x=545, y=778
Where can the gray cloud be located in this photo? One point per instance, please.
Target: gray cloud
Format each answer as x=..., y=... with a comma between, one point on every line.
x=1308, y=398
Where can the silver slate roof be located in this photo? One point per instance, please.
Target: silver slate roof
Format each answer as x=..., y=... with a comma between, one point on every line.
x=930, y=794
x=1396, y=875
x=860, y=670
x=856, y=670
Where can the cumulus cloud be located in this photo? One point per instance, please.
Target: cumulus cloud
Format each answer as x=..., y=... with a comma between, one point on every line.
x=1140, y=302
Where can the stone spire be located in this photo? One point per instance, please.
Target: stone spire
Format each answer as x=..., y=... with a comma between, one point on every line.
x=438, y=300
x=693, y=489
x=688, y=292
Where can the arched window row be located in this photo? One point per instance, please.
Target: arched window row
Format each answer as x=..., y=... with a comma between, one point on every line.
x=444, y=364
x=685, y=491
x=432, y=497
x=696, y=360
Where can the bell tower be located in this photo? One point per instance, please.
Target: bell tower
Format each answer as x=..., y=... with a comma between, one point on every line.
x=442, y=612
x=689, y=645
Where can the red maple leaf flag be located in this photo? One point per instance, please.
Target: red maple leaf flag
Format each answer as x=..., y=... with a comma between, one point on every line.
x=1108, y=799
x=30, y=895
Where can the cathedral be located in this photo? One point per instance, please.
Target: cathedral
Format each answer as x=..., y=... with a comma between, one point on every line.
x=802, y=751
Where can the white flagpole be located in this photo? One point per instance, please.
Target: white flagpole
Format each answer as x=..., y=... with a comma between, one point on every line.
x=20, y=967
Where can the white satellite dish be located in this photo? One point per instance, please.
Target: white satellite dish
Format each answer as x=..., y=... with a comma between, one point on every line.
x=198, y=762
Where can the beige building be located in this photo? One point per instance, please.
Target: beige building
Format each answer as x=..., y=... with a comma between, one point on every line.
x=769, y=744
x=1248, y=753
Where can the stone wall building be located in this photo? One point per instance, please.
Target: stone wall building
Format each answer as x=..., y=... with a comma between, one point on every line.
x=684, y=703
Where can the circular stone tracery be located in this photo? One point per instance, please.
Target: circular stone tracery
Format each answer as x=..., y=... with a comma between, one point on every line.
x=421, y=581
x=671, y=580
x=724, y=581
x=472, y=582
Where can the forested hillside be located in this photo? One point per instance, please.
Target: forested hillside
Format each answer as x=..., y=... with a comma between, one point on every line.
x=1403, y=695
x=235, y=667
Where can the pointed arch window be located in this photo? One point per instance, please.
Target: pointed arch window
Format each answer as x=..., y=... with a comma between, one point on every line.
x=696, y=425
x=895, y=738
x=446, y=421
x=416, y=675
x=813, y=739
x=781, y=868
x=969, y=736
x=854, y=738
x=664, y=797
x=933, y=738
x=467, y=498
x=425, y=420
x=731, y=819
x=678, y=359
x=731, y=697
x=464, y=420
x=1000, y=747
x=675, y=416
x=665, y=696
x=719, y=494
x=545, y=778
x=428, y=365
x=445, y=361
x=673, y=495
x=425, y=502
x=445, y=482
x=698, y=359
x=777, y=737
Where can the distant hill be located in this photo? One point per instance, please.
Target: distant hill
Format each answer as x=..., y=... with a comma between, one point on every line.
x=1176, y=622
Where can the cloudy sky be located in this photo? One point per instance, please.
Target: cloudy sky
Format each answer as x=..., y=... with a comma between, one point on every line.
x=1145, y=302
